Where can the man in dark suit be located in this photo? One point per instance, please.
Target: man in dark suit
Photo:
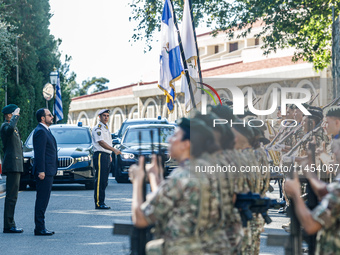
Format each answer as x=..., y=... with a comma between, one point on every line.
x=45, y=167
x=12, y=164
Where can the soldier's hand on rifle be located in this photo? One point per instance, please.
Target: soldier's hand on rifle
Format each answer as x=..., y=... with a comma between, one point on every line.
x=336, y=150
x=278, y=147
x=302, y=160
x=155, y=172
x=292, y=187
x=321, y=149
x=136, y=172
x=288, y=159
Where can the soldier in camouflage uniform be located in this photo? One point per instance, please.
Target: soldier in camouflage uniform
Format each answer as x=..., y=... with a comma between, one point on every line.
x=292, y=134
x=185, y=208
x=246, y=181
x=251, y=181
x=307, y=124
x=331, y=126
x=264, y=175
x=325, y=218
x=228, y=181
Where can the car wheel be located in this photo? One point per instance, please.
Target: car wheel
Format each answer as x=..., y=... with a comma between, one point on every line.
x=120, y=178
x=32, y=185
x=89, y=186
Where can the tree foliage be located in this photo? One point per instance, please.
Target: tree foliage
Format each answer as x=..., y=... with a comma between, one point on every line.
x=97, y=83
x=304, y=25
x=27, y=23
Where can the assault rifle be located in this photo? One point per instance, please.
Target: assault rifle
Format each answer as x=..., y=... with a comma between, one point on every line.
x=276, y=137
x=312, y=202
x=253, y=203
x=290, y=133
x=313, y=99
x=304, y=139
x=138, y=236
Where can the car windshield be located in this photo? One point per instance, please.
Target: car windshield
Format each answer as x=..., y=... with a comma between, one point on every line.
x=132, y=135
x=67, y=136
x=128, y=124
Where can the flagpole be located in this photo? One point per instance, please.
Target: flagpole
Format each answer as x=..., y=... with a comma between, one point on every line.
x=204, y=100
x=183, y=57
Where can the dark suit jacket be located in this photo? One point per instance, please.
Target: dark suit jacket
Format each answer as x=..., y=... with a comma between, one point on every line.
x=45, y=152
x=13, y=157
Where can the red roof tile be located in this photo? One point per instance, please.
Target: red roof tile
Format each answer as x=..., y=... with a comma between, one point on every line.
x=239, y=67
x=236, y=67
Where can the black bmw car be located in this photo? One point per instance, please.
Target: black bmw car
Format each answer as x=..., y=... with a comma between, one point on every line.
x=132, y=148
x=74, y=156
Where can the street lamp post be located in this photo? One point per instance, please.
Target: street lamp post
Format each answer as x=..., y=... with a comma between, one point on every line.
x=54, y=80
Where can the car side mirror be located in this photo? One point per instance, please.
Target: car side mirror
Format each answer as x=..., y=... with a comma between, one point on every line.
x=115, y=141
x=114, y=135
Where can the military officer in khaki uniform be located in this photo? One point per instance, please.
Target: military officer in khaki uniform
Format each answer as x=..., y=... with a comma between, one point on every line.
x=102, y=146
x=12, y=164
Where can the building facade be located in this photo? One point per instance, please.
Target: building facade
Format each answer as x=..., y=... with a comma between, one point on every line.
x=239, y=62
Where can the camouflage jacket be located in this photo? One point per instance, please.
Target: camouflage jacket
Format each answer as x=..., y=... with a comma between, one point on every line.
x=251, y=170
x=328, y=215
x=261, y=158
x=186, y=212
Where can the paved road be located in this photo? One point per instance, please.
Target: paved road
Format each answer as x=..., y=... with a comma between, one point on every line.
x=80, y=229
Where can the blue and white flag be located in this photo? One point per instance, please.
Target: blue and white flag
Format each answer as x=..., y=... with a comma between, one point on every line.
x=171, y=67
x=58, y=103
x=190, y=52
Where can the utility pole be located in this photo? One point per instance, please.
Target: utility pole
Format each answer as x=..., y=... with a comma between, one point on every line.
x=17, y=59
x=5, y=91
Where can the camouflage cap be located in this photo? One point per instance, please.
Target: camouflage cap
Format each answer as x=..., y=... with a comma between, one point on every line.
x=200, y=126
x=244, y=130
x=315, y=108
x=223, y=111
x=184, y=123
x=246, y=114
x=315, y=114
x=226, y=101
x=333, y=111
x=292, y=106
x=209, y=121
x=9, y=108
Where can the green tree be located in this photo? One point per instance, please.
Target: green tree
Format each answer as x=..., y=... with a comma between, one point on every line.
x=97, y=83
x=38, y=54
x=7, y=50
x=305, y=25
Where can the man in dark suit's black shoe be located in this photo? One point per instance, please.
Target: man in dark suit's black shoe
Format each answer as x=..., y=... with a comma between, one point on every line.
x=13, y=230
x=104, y=207
x=43, y=232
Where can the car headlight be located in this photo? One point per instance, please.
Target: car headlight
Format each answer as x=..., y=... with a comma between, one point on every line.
x=128, y=156
x=82, y=159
